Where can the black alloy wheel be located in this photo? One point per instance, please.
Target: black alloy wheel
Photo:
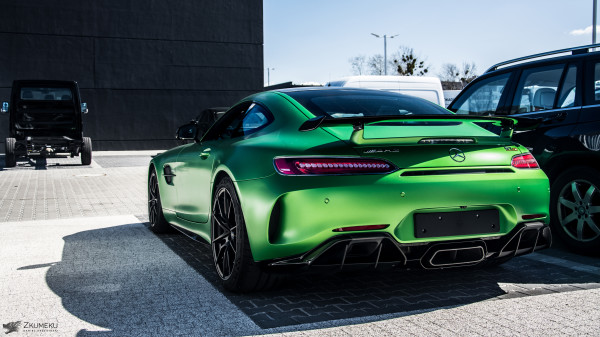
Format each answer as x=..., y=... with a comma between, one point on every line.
x=158, y=223
x=230, y=245
x=224, y=234
x=576, y=213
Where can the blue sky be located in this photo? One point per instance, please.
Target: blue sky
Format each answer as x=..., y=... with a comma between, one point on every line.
x=312, y=40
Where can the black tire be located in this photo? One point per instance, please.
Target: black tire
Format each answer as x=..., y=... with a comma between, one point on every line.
x=158, y=223
x=10, y=158
x=86, y=151
x=230, y=246
x=575, y=209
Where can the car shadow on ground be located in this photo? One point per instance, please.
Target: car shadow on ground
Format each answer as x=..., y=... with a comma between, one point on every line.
x=310, y=298
x=41, y=162
x=132, y=298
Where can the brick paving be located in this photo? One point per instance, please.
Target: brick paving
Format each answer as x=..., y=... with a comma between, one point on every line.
x=311, y=298
x=110, y=275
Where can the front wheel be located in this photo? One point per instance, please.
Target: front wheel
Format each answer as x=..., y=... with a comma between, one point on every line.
x=230, y=246
x=575, y=209
x=86, y=151
x=10, y=158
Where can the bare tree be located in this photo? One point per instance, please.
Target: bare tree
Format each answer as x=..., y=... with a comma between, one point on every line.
x=468, y=72
x=358, y=64
x=376, y=64
x=450, y=72
x=408, y=64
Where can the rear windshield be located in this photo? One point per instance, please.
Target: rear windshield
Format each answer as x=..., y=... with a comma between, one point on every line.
x=46, y=94
x=342, y=103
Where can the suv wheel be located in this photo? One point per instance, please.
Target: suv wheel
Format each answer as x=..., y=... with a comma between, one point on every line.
x=575, y=209
x=10, y=158
x=86, y=151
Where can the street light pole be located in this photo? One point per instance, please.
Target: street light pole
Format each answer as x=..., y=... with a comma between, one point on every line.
x=594, y=23
x=385, y=49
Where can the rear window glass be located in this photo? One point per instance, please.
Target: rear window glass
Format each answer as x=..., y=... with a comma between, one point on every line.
x=352, y=103
x=46, y=94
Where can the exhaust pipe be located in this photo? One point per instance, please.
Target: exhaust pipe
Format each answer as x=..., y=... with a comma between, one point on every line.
x=454, y=254
x=456, y=257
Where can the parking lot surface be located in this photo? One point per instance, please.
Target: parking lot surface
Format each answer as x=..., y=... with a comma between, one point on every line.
x=78, y=259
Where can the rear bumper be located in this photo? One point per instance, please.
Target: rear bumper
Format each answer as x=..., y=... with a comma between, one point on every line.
x=48, y=145
x=289, y=216
x=381, y=251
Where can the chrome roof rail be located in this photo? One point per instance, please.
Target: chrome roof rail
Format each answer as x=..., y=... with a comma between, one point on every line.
x=574, y=50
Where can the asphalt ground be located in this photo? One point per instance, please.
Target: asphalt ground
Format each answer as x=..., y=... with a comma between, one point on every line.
x=77, y=258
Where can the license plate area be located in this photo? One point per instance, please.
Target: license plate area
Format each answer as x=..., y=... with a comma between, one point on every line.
x=428, y=225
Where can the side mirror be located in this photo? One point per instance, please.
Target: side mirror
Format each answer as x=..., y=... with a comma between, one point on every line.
x=4, y=107
x=84, y=108
x=187, y=131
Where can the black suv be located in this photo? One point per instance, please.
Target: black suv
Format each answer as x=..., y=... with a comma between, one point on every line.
x=45, y=119
x=557, y=100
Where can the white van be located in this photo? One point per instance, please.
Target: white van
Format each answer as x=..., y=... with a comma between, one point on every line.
x=429, y=88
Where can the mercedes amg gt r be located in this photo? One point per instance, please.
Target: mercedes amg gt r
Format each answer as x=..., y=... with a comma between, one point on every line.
x=342, y=178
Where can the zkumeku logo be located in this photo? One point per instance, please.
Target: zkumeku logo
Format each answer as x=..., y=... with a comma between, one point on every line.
x=11, y=327
x=30, y=327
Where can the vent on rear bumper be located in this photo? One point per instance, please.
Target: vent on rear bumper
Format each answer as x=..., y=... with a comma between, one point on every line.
x=459, y=171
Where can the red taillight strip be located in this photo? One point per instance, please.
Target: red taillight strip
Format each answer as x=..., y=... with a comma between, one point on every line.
x=524, y=161
x=360, y=228
x=332, y=166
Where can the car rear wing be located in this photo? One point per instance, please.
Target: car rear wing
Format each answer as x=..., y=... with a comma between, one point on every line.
x=507, y=126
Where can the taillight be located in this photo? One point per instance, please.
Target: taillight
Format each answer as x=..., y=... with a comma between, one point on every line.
x=321, y=166
x=524, y=161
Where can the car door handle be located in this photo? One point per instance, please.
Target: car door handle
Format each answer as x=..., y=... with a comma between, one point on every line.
x=557, y=117
x=205, y=153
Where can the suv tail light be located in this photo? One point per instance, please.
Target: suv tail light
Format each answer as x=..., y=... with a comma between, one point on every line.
x=324, y=166
x=524, y=161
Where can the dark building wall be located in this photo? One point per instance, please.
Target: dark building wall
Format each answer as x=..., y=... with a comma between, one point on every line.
x=144, y=66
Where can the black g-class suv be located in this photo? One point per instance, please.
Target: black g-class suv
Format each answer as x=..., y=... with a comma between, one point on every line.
x=45, y=119
x=557, y=99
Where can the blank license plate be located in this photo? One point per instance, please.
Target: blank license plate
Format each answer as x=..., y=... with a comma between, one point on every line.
x=429, y=225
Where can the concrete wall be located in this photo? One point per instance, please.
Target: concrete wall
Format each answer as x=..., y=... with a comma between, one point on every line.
x=144, y=66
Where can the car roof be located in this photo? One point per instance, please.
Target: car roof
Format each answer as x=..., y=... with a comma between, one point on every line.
x=21, y=83
x=522, y=61
x=338, y=89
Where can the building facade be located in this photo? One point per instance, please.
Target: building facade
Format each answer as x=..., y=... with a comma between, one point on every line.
x=143, y=66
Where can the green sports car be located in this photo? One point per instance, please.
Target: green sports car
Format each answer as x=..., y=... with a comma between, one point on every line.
x=344, y=178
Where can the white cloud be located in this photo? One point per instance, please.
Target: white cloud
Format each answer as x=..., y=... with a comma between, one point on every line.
x=586, y=31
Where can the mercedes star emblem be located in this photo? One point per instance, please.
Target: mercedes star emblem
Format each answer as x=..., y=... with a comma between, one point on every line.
x=457, y=155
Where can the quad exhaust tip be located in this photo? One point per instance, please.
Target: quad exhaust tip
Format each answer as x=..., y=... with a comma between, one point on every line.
x=457, y=256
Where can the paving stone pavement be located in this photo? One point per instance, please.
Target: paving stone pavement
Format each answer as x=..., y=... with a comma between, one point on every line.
x=73, y=255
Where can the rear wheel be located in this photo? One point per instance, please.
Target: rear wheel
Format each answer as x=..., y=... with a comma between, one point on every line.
x=575, y=209
x=10, y=158
x=86, y=151
x=230, y=246
x=158, y=223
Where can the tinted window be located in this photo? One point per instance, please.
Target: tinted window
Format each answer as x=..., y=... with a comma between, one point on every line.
x=242, y=122
x=46, y=94
x=596, y=84
x=350, y=103
x=536, y=90
x=482, y=98
x=566, y=98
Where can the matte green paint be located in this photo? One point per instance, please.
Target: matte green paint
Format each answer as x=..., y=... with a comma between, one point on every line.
x=306, y=220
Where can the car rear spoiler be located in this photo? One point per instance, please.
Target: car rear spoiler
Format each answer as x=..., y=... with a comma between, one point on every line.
x=507, y=125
